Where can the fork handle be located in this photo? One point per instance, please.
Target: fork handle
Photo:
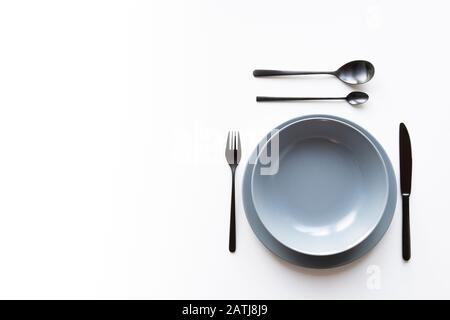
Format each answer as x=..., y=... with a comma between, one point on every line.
x=232, y=240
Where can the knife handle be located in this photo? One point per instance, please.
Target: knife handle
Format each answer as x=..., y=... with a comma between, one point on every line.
x=406, y=236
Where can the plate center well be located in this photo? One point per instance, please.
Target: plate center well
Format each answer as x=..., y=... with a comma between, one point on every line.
x=321, y=187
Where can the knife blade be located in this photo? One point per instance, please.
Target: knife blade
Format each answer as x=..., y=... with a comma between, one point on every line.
x=405, y=161
x=405, y=188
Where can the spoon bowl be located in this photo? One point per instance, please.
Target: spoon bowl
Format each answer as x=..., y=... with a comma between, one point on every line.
x=356, y=98
x=355, y=72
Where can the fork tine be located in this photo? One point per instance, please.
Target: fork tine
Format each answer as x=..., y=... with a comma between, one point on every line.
x=235, y=142
x=238, y=141
x=232, y=141
x=228, y=140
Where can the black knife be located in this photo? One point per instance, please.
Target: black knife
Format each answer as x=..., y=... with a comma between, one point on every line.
x=405, y=188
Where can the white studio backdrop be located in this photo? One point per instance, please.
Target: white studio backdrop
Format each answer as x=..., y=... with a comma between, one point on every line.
x=113, y=121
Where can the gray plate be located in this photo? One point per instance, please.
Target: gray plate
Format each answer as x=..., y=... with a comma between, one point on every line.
x=331, y=199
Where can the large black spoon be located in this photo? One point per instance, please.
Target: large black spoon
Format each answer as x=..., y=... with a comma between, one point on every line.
x=354, y=72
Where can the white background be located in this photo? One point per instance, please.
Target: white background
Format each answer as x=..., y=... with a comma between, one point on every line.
x=113, y=119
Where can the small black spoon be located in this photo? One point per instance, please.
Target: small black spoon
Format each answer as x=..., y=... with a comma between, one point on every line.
x=354, y=98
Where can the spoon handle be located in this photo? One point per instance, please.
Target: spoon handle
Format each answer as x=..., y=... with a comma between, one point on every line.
x=269, y=73
x=269, y=99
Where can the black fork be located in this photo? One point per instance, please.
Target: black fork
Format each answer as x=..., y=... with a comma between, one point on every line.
x=233, y=156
